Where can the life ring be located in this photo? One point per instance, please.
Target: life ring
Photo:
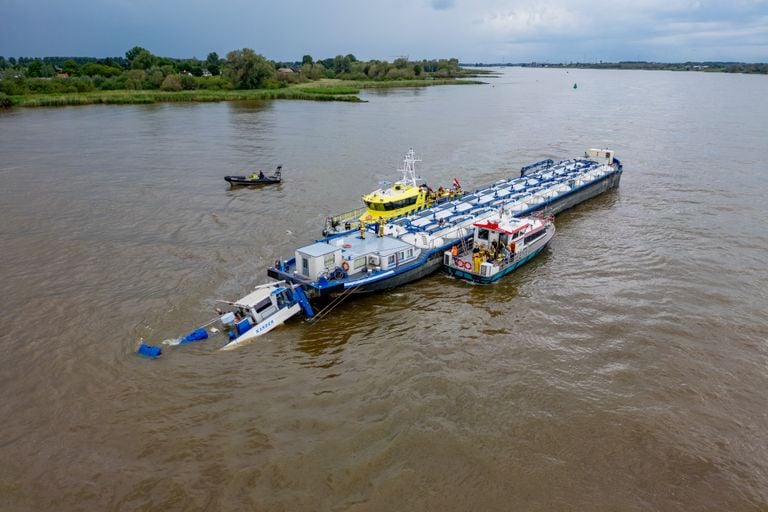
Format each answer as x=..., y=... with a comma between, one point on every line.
x=347, y=246
x=345, y=265
x=466, y=265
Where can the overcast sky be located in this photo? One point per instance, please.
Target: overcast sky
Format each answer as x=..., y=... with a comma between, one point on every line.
x=472, y=31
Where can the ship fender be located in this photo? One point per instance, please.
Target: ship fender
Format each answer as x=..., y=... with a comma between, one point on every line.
x=303, y=301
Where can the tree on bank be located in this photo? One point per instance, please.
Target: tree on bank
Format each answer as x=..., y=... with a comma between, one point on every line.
x=248, y=70
x=212, y=63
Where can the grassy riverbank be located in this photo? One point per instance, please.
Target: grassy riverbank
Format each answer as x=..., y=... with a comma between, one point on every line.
x=321, y=90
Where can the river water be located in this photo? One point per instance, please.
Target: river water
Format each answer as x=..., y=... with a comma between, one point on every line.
x=625, y=368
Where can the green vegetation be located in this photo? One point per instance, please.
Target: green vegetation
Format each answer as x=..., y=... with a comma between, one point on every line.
x=141, y=77
x=140, y=97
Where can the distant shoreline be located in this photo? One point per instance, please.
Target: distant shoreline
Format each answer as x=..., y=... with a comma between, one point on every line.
x=323, y=90
x=759, y=68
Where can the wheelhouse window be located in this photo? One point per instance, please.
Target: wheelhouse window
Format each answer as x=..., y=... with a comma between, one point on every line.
x=261, y=306
x=378, y=207
x=534, y=237
x=482, y=234
x=391, y=205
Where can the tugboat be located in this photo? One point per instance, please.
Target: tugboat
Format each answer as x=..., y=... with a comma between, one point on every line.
x=500, y=245
x=393, y=200
x=257, y=178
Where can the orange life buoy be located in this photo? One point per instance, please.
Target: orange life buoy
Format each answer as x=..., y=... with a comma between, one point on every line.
x=466, y=265
x=345, y=265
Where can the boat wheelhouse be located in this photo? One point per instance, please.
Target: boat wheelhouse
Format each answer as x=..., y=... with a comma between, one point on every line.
x=267, y=307
x=405, y=196
x=351, y=263
x=500, y=245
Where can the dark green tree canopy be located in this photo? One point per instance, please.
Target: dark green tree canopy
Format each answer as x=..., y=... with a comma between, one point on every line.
x=143, y=60
x=70, y=67
x=248, y=70
x=134, y=52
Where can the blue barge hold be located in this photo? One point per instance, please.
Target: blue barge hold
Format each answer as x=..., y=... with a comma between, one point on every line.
x=380, y=257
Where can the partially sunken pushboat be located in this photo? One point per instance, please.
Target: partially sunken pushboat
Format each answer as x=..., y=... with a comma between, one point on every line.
x=266, y=307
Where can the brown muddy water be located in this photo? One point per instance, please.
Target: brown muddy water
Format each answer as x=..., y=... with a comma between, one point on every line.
x=624, y=369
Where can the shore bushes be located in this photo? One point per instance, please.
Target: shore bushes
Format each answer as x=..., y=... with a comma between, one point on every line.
x=142, y=77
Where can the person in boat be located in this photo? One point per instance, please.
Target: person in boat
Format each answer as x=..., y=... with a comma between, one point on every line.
x=362, y=229
x=261, y=175
x=381, y=229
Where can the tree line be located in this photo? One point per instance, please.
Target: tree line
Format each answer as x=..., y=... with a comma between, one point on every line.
x=139, y=69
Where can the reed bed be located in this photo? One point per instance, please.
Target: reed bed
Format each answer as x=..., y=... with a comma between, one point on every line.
x=326, y=90
x=145, y=97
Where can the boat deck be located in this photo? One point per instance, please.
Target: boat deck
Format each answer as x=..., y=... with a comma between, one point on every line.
x=539, y=185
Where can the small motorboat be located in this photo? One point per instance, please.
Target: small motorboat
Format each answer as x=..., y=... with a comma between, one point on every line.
x=500, y=245
x=257, y=178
